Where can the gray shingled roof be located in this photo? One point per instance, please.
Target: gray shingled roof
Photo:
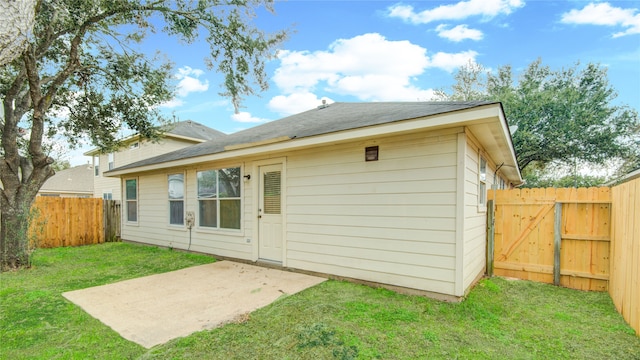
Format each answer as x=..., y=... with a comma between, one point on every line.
x=334, y=117
x=192, y=129
x=78, y=179
x=188, y=129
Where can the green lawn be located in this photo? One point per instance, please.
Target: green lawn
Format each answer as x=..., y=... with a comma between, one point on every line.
x=335, y=320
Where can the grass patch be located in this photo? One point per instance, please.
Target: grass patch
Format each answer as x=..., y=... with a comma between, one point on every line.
x=500, y=319
x=36, y=322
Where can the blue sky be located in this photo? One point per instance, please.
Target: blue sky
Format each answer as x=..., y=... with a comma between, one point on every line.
x=402, y=51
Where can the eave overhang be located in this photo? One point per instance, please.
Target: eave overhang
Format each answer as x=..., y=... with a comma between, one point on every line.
x=486, y=122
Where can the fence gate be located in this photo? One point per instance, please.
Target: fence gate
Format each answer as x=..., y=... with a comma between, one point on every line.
x=559, y=236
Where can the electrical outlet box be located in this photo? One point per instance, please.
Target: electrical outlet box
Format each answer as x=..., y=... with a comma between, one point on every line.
x=190, y=219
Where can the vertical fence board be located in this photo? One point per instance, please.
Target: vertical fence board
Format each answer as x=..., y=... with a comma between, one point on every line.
x=599, y=237
x=490, y=237
x=111, y=220
x=67, y=222
x=625, y=252
x=524, y=239
x=557, y=239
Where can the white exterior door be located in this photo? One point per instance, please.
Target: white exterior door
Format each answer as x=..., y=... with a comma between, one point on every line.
x=270, y=234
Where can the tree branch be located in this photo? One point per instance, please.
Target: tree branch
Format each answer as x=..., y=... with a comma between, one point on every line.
x=11, y=118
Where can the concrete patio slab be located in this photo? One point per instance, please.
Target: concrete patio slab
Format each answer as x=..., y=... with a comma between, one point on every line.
x=155, y=309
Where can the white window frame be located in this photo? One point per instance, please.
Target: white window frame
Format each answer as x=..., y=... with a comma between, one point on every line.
x=96, y=165
x=129, y=202
x=180, y=199
x=218, y=199
x=107, y=195
x=134, y=145
x=482, y=183
x=111, y=161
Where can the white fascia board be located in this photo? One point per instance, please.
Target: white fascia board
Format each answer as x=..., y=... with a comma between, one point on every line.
x=129, y=139
x=136, y=137
x=483, y=114
x=512, y=151
x=181, y=137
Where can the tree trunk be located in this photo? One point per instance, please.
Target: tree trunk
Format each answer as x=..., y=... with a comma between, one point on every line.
x=21, y=174
x=14, y=235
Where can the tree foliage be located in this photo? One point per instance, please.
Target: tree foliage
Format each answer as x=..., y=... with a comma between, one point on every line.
x=16, y=23
x=80, y=76
x=536, y=180
x=561, y=116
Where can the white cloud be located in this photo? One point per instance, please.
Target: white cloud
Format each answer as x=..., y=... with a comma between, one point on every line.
x=245, y=117
x=296, y=102
x=368, y=67
x=451, y=62
x=375, y=87
x=459, y=33
x=172, y=103
x=363, y=54
x=189, y=84
x=188, y=70
x=607, y=15
x=189, y=81
x=487, y=9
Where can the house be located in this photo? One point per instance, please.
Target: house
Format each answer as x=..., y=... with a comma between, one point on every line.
x=391, y=193
x=73, y=182
x=627, y=177
x=177, y=136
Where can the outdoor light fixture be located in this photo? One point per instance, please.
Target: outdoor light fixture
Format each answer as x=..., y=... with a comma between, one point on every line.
x=371, y=153
x=247, y=177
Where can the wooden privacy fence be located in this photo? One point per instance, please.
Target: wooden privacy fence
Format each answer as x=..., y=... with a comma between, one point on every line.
x=559, y=236
x=73, y=221
x=585, y=238
x=624, y=282
x=111, y=216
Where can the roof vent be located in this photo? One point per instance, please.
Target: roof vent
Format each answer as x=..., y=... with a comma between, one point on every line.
x=324, y=104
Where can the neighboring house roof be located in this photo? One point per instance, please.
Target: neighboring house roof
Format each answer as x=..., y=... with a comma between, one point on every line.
x=193, y=130
x=188, y=130
x=75, y=180
x=328, y=119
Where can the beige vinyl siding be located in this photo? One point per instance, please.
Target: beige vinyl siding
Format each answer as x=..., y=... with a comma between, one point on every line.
x=474, y=215
x=125, y=156
x=153, y=218
x=222, y=242
x=390, y=221
x=102, y=184
x=149, y=149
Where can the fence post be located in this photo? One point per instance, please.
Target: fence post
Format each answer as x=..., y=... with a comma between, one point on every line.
x=111, y=220
x=490, y=236
x=557, y=239
x=106, y=216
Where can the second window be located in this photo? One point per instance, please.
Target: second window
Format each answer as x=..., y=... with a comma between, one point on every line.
x=219, y=198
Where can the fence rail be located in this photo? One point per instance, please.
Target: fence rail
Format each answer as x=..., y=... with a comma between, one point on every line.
x=73, y=221
x=559, y=236
x=586, y=238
